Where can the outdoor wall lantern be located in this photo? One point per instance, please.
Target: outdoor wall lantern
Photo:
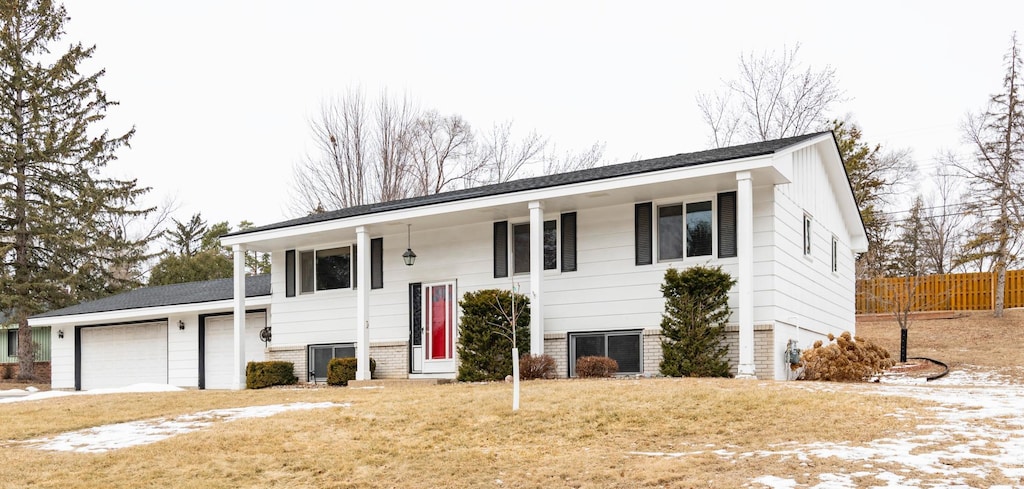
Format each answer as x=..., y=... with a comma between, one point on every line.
x=60, y=333
x=409, y=256
x=181, y=325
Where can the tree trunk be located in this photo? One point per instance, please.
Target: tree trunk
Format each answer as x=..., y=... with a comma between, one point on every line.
x=903, y=345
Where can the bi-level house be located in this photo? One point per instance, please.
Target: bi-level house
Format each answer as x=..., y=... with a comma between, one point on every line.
x=590, y=249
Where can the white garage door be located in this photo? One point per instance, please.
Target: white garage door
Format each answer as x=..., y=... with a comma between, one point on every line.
x=219, y=358
x=116, y=356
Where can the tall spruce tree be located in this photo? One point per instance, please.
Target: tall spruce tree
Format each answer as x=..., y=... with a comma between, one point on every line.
x=996, y=174
x=693, y=326
x=57, y=211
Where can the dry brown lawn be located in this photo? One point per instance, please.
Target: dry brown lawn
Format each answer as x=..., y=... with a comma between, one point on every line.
x=577, y=433
x=974, y=339
x=569, y=433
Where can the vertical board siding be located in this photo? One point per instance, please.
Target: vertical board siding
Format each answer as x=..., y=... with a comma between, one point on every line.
x=951, y=292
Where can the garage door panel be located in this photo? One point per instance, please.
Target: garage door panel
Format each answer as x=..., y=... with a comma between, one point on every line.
x=116, y=356
x=219, y=355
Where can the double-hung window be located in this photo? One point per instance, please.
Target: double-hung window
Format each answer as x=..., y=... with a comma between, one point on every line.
x=520, y=246
x=331, y=268
x=684, y=230
x=326, y=269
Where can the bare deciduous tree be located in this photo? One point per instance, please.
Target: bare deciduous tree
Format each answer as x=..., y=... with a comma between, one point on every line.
x=504, y=157
x=573, y=161
x=773, y=96
x=335, y=175
x=944, y=223
x=394, y=150
x=443, y=153
x=996, y=175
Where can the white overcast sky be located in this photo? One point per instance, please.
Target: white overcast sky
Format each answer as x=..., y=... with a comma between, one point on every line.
x=221, y=93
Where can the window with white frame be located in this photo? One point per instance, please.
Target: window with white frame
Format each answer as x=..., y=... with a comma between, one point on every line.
x=326, y=269
x=625, y=347
x=685, y=230
x=807, y=235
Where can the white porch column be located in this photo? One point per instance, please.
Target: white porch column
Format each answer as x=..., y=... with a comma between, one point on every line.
x=537, y=278
x=745, y=282
x=239, y=298
x=363, y=304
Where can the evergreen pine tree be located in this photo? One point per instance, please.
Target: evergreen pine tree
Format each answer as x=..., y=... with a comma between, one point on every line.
x=57, y=211
x=693, y=326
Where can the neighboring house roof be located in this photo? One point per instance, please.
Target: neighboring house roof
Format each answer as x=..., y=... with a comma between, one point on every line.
x=597, y=173
x=168, y=295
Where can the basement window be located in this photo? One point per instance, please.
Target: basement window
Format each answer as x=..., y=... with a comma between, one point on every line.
x=622, y=346
x=320, y=355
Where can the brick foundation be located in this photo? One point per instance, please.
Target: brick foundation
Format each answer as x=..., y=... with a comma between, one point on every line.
x=294, y=354
x=392, y=359
x=557, y=345
x=9, y=371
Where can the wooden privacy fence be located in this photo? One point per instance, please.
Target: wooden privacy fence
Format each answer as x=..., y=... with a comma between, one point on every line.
x=952, y=292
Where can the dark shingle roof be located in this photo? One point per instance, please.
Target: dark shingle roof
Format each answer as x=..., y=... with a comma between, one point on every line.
x=546, y=181
x=168, y=295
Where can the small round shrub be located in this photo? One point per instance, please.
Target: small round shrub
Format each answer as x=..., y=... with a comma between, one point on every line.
x=265, y=374
x=587, y=367
x=849, y=359
x=342, y=370
x=536, y=367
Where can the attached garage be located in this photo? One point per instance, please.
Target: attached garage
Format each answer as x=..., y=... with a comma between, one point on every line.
x=217, y=349
x=120, y=355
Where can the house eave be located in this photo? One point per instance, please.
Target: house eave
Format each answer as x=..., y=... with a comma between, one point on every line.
x=765, y=169
x=144, y=313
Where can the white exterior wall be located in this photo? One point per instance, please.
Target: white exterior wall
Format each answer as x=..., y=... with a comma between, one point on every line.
x=808, y=296
x=183, y=351
x=607, y=292
x=62, y=358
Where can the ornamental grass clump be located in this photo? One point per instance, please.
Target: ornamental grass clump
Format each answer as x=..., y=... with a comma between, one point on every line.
x=848, y=359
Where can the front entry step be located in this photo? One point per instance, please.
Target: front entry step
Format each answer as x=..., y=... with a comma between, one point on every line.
x=397, y=382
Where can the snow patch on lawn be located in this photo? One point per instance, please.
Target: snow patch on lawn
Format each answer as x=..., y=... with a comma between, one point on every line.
x=134, y=433
x=18, y=395
x=978, y=432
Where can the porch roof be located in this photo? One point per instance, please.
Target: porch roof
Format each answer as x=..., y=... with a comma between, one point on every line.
x=547, y=181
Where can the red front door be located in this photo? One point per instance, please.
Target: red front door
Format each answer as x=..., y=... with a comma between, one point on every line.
x=439, y=327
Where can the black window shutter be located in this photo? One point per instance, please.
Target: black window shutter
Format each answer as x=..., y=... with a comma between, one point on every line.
x=727, y=225
x=644, y=234
x=289, y=273
x=569, y=242
x=501, y=249
x=355, y=266
x=377, y=263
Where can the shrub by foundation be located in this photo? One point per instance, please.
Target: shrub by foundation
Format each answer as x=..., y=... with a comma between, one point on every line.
x=342, y=370
x=587, y=367
x=536, y=367
x=265, y=374
x=485, y=333
x=849, y=359
x=693, y=326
